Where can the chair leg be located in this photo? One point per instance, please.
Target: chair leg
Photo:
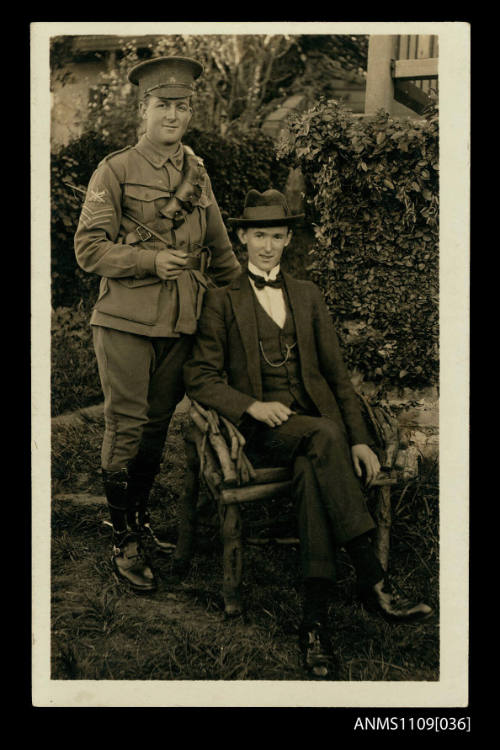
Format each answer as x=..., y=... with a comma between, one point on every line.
x=187, y=508
x=230, y=517
x=383, y=518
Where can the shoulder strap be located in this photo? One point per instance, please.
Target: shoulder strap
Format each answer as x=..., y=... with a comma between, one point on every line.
x=113, y=163
x=114, y=153
x=107, y=160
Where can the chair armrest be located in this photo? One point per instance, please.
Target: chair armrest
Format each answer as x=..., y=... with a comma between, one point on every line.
x=226, y=443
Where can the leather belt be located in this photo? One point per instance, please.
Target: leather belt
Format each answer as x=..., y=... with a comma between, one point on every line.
x=198, y=262
x=202, y=258
x=193, y=262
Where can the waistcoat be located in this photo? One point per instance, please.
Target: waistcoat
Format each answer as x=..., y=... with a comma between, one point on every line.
x=280, y=383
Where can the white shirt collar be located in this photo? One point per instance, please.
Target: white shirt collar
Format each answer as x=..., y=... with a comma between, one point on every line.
x=271, y=276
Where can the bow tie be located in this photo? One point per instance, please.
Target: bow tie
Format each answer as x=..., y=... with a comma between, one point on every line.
x=260, y=282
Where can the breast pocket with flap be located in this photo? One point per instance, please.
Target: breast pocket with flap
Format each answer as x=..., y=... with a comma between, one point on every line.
x=144, y=202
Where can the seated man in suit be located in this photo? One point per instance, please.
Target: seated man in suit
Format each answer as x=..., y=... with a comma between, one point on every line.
x=267, y=357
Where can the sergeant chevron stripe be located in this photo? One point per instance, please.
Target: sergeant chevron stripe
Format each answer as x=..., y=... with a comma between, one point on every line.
x=90, y=217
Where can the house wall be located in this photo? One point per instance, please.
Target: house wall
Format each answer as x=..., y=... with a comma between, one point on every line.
x=69, y=100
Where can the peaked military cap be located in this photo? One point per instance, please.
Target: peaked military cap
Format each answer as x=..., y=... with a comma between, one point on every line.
x=169, y=77
x=267, y=209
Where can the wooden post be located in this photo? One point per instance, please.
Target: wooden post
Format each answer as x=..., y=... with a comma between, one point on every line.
x=424, y=50
x=379, y=84
x=424, y=46
x=230, y=517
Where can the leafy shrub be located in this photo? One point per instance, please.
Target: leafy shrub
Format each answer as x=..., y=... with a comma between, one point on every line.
x=241, y=71
x=237, y=164
x=74, y=376
x=73, y=164
x=372, y=191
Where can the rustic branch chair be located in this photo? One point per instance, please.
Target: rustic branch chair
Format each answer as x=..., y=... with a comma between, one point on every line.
x=214, y=451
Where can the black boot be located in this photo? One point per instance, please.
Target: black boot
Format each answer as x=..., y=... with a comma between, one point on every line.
x=315, y=645
x=141, y=479
x=128, y=558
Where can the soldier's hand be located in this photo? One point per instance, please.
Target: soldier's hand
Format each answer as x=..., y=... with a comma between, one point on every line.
x=272, y=413
x=363, y=454
x=170, y=263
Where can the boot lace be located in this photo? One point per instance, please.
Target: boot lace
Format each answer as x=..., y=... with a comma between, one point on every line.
x=316, y=650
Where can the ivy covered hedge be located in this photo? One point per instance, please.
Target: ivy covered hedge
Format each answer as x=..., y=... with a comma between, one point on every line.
x=234, y=166
x=72, y=164
x=372, y=194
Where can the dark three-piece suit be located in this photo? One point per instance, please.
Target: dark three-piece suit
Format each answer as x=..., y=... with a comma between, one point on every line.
x=241, y=355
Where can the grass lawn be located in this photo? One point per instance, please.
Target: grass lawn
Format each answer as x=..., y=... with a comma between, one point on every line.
x=102, y=631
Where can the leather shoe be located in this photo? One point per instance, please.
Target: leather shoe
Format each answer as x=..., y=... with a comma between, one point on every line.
x=131, y=565
x=393, y=606
x=317, y=656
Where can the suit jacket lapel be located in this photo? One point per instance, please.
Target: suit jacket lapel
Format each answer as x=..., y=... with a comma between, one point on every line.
x=241, y=295
x=301, y=316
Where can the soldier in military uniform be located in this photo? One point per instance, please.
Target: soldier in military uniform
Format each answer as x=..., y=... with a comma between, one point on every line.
x=148, y=226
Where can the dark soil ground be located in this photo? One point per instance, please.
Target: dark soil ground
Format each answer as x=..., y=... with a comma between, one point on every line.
x=102, y=631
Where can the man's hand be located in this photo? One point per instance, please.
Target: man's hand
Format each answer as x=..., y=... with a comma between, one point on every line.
x=362, y=454
x=272, y=413
x=170, y=263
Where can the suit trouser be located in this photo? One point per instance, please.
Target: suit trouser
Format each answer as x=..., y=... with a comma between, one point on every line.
x=331, y=506
x=142, y=384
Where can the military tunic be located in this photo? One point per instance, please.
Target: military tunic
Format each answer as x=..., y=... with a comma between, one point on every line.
x=140, y=181
x=143, y=325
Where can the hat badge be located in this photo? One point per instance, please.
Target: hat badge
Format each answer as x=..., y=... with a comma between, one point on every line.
x=172, y=79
